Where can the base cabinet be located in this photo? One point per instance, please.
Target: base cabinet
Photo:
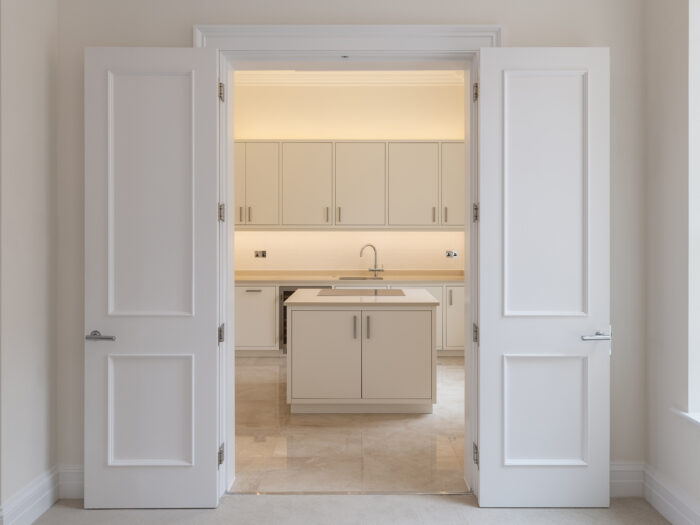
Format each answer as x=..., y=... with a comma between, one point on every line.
x=454, y=317
x=256, y=318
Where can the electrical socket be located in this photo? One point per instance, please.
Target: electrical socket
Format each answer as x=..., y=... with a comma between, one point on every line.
x=451, y=253
x=261, y=253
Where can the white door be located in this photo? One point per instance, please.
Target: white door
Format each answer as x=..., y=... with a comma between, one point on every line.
x=262, y=182
x=544, y=281
x=307, y=178
x=360, y=183
x=413, y=183
x=151, y=278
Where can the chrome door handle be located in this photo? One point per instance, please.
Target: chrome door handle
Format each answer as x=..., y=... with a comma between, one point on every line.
x=598, y=336
x=95, y=335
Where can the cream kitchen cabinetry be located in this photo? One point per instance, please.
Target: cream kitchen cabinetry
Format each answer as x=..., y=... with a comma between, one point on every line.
x=453, y=170
x=454, y=317
x=435, y=291
x=307, y=181
x=256, y=318
x=360, y=181
x=256, y=173
x=413, y=183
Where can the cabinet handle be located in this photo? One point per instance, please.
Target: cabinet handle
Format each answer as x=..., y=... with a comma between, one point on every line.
x=445, y=214
x=339, y=214
x=327, y=213
x=450, y=297
x=250, y=213
x=354, y=327
x=433, y=213
x=368, y=327
x=253, y=291
x=240, y=214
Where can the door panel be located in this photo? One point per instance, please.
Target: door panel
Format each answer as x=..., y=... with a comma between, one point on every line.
x=326, y=346
x=307, y=175
x=151, y=278
x=262, y=183
x=544, y=277
x=413, y=183
x=454, y=176
x=239, y=150
x=396, y=354
x=360, y=183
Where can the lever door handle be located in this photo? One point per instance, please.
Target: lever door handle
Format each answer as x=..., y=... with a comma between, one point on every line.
x=95, y=335
x=598, y=336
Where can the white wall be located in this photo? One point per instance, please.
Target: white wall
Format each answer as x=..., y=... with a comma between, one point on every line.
x=674, y=442
x=29, y=37
x=615, y=24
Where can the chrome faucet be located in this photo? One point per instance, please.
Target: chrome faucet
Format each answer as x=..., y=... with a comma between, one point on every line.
x=375, y=269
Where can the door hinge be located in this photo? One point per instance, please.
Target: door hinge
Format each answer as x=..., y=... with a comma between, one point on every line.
x=475, y=333
x=222, y=212
x=221, y=454
x=221, y=91
x=221, y=333
x=475, y=212
x=475, y=453
x=475, y=91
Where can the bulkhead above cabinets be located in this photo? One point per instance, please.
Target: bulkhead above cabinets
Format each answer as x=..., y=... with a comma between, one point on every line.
x=387, y=185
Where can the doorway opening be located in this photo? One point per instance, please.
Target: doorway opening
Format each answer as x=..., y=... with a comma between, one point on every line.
x=279, y=246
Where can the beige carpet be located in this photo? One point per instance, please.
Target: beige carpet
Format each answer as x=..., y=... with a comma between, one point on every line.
x=341, y=510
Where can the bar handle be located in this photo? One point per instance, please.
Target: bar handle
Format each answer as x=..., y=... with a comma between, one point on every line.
x=258, y=290
x=250, y=213
x=354, y=327
x=445, y=214
x=327, y=213
x=240, y=214
x=433, y=213
x=450, y=294
x=338, y=214
x=368, y=327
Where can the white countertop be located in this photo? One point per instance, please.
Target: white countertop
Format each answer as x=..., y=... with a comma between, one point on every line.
x=411, y=297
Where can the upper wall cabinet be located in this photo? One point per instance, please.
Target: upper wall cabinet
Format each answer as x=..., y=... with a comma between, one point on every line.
x=454, y=179
x=413, y=183
x=256, y=171
x=360, y=182
x=307, y=180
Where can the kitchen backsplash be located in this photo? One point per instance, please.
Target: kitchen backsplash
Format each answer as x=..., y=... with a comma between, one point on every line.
x=313, y=250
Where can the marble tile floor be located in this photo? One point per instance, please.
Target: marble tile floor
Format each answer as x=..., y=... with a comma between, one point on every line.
x=280, y=452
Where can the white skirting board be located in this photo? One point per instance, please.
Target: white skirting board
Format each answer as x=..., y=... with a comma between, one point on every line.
x=674, y=504
x=32, y=501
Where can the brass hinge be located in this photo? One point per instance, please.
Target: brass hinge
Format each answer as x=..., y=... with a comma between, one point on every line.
x=221, y=91
x=475, y=92
x=222, y=212
x=475, y=454
x=475, y=333
x=475, y=212
x=221, y=454
x=221, y=333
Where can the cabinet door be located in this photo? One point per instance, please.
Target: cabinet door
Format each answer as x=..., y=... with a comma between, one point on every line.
x=239, y=181
x=256, y=317
x=397, y=354
x=454, y=178
x=413, y=183
x=360, y=183
x=262, y=182
x=435, y=291
x=454, y=317
x=326, y=354
x=307, y=173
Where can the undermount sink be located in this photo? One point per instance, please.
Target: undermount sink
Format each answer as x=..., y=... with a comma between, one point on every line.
x=348, y=278
x=354, y=292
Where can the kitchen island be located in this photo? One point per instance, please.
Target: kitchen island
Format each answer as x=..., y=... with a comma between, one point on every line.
x=361, y=351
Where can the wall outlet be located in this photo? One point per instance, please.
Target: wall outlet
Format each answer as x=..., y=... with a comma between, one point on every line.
x=450, y=253
x=261, y=253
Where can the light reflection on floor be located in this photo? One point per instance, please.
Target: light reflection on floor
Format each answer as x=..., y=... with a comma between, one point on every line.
x=280, y=452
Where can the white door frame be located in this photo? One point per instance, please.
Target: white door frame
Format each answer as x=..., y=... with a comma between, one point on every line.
x=349, y=47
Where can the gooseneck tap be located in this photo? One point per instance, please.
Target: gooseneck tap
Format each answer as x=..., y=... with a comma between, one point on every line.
x=376, y=269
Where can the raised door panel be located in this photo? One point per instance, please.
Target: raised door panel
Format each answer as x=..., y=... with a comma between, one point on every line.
x=454, y=183
x=435, y=291
x=256, y=317
x=239, y=150
x=413, y=183
x=397, y=354
x=454, y=317
x=262, y=183
x=326, y=354
x=360, y=183
x=307, y=173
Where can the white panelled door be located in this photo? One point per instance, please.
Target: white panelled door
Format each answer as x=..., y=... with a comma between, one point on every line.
x=151, y=278
x=544, y=277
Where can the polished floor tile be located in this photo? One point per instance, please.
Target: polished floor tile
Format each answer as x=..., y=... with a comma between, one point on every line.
x=277, y=451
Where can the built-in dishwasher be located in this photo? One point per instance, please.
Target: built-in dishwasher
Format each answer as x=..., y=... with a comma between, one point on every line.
x=285, y=292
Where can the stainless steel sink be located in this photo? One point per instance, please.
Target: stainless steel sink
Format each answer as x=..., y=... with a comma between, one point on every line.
x=354, y=292
x=347, y=278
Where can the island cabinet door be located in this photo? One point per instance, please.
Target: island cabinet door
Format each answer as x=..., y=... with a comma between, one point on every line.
x=326, y=353
x=396, y=354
